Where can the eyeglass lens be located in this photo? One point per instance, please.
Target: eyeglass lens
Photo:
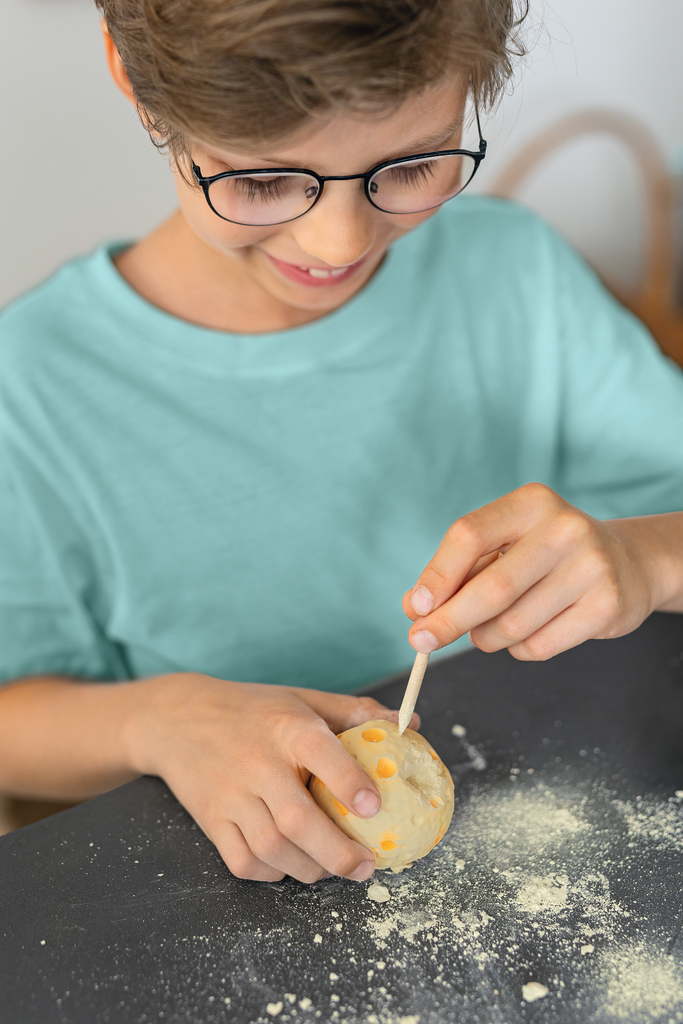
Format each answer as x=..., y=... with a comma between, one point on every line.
x=420, y=185
x=412, y=187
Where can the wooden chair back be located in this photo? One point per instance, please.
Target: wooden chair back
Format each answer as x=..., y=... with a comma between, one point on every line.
x=654, y=301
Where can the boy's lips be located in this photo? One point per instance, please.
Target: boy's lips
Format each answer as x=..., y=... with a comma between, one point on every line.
x=315, y=277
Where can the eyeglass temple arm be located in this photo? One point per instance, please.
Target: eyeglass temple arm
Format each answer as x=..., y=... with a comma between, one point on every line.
x=482, y=140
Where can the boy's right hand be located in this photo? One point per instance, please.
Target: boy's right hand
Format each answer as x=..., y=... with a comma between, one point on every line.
x=238, y=756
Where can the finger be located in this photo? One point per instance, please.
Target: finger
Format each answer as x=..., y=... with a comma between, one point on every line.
x=496, y=588
x=570, y=628
x=479, y=534
x=271, y=847
x=298, y=817
x=321, y=753
x=539, y=605
x=237, y=854
x=478, y=566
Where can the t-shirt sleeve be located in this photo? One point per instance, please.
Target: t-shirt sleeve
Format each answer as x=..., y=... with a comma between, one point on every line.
x=46, y=626
x=621, y=435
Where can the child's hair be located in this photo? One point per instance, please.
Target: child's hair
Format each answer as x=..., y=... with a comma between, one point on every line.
x=248, y=71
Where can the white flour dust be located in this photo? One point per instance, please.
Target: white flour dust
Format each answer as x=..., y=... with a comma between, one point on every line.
x=546, y=901
x=538, y=893
x=641, y=983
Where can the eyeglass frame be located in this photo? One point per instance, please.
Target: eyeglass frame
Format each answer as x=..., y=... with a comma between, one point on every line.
x=205, y=183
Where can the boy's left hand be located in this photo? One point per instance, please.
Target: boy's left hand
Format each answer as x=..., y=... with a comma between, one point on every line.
x=532, y=573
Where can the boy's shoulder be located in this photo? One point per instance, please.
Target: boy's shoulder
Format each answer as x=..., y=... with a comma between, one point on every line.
x=480, y=220
x=486, y=248
x=57, y=313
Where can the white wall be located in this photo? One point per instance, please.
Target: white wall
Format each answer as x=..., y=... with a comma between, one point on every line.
x=623, y=55
x=77, y=168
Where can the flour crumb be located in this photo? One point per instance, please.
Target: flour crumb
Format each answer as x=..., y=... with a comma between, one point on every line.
x=274, y=1008
x=290, y=997
x=413, y=1018
x=459, y=731
x=333, y=976
x=317, y=938
x=476, y=758
x=679, y=794
x=533, y=991
x=305, y=1003
x=378, y=893
x=42, y=942
x=587, y=949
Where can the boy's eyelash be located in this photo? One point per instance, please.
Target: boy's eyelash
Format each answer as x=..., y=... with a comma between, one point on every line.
x=413, y=172
x=259, y=188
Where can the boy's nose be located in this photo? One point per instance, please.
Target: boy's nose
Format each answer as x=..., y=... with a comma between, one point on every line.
x=340, y=229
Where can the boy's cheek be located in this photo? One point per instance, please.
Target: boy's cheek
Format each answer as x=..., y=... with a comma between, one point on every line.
x=221, y=235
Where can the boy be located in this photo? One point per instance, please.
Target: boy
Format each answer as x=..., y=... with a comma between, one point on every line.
x=228, y=448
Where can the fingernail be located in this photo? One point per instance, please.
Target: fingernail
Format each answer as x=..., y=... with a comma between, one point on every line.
x=366, y=803
x=363, y=871
x=424, y=641
x=422, y=601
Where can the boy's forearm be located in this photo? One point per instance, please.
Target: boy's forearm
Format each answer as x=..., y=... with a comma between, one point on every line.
x=65, y=740
x=658, y=539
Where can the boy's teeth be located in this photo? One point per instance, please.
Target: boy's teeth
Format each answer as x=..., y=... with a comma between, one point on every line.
x=317, y=272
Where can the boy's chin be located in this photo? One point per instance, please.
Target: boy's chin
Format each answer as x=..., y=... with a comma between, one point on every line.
x=317, y=300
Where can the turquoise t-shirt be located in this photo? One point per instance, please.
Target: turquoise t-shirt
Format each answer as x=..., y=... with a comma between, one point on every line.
x=174, y=498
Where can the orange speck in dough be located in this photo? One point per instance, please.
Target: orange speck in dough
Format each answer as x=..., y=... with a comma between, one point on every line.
x=436, y=801
x=389, y=841
x=340, y=807
x=339, y=735
x=374, y=735
x=434, y=755
x=438, y=839
x=385, y=768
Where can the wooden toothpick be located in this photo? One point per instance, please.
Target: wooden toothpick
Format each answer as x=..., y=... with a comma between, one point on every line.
x=412, y=691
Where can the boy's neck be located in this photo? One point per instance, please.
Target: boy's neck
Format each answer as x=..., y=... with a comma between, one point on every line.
x=176, y=271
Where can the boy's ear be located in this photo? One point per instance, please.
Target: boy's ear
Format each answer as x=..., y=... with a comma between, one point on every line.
x=118, y=72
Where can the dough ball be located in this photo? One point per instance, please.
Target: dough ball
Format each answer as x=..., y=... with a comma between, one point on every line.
x=416, y=789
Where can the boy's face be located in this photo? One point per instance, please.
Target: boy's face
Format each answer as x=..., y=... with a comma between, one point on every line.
x=343, y=231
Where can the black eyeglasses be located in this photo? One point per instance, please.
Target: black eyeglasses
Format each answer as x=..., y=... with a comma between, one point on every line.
x=412, y=184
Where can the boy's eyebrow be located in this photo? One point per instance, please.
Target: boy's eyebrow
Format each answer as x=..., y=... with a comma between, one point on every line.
x=425, y=144
x=428, y=143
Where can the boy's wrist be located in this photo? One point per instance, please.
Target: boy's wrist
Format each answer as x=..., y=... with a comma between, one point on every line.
x=656, y=542
x=149, y=707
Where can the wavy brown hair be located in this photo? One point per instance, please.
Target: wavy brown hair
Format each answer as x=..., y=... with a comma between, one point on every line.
x=235, y=72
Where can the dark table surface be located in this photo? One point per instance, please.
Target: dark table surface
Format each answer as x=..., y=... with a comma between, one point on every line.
x=562, y=867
